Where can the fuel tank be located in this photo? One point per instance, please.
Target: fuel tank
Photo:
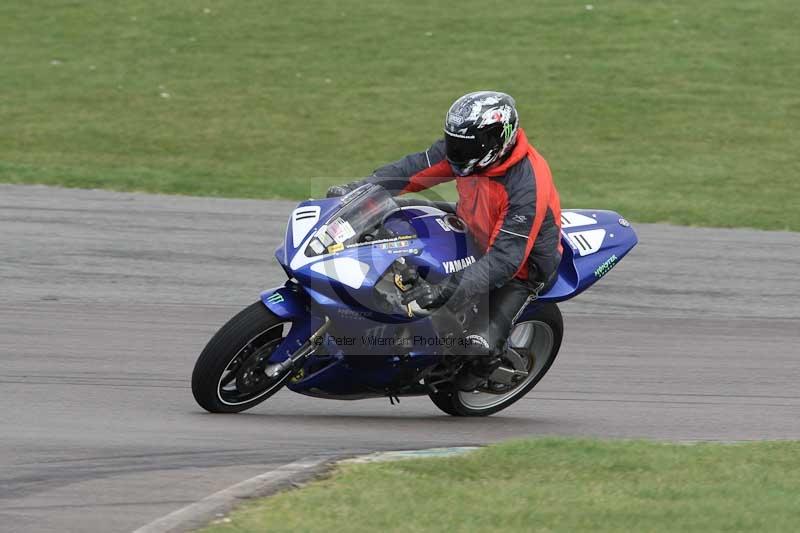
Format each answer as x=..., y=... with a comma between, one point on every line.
x=446, y=244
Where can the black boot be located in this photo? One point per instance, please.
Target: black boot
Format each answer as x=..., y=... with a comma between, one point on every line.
x=473, y=376
x=482, y=361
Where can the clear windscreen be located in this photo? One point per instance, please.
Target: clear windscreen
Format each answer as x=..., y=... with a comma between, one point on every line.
x=358, y=221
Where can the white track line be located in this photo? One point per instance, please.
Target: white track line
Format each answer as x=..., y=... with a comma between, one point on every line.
x=202, y=512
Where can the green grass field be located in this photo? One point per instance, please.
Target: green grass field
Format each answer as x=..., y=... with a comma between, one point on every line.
x=686, y=112
x=553, y=485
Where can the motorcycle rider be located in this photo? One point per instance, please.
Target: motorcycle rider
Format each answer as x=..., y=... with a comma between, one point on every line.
x=507, y=199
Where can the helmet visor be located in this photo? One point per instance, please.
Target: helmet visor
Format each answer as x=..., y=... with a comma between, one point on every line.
x=461, y=149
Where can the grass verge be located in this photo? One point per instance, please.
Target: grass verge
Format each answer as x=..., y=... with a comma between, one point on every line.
x=552, y=484
x=685, y=112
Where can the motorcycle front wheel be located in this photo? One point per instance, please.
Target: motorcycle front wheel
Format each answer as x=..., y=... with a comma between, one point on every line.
x=229, y=375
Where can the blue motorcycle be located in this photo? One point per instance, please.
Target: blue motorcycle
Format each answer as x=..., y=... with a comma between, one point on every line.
x=337, y=328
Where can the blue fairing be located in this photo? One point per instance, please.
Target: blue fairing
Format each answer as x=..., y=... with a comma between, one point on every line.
x=287, y=302
x=292, y=304
x=340, y=283
x=593, y=243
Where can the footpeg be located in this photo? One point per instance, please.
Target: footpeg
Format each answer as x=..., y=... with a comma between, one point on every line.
x=507, y=376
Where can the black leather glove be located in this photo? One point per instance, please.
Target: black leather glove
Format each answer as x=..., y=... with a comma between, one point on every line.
x=431, y=296
x=341, y=190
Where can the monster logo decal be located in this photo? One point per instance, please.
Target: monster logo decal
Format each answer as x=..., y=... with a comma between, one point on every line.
x=508, y=131
x=607, y=265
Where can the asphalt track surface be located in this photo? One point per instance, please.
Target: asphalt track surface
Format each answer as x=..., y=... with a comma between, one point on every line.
x=106, y=299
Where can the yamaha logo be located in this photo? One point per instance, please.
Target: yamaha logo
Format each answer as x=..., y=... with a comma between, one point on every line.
x=459, y=264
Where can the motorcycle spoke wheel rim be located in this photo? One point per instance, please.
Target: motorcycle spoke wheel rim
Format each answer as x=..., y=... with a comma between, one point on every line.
x=538, y=339
x=260, y=347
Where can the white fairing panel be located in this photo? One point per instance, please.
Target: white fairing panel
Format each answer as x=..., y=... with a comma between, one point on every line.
x=303, y=219
x=574, y=220
x=345, y=270
x=588, y=241
x=428, y=210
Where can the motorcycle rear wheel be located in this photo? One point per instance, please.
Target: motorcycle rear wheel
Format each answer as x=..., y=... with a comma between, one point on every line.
x=538, y=338
x=229, y=376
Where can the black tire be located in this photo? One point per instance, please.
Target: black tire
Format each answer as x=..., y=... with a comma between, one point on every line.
x=252, y=332
x=451, y=401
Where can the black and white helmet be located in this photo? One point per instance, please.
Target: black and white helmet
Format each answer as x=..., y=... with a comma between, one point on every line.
x=479, y=129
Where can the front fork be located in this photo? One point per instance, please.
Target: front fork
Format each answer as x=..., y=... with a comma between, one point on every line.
x=296, y=360
x=292, y=304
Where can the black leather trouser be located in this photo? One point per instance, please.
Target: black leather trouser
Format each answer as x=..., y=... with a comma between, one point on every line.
x=496, y=311
x=484, y=323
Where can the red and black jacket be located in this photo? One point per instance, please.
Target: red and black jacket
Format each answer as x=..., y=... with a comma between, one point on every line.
x=512, y=210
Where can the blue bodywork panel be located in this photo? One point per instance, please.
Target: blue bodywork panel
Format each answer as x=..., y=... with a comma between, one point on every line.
x=593, y=242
